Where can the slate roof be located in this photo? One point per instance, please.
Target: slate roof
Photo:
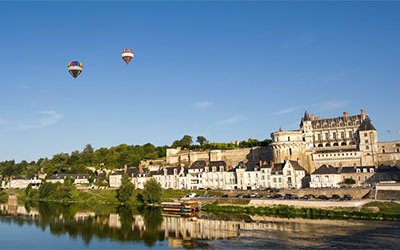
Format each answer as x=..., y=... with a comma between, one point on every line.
x=296, y=165
x=366, y=125
x=336, y=122
x=198, y=164
x=326, y=170
x=388, y=169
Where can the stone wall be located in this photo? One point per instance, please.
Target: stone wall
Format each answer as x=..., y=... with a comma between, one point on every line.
x=392, y=159
x=231, y=157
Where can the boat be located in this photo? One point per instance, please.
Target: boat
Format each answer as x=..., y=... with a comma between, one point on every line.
x=180, y=207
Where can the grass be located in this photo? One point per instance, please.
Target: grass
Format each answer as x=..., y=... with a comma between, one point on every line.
x=385, y=207
x=104, y=196
x=308, y=213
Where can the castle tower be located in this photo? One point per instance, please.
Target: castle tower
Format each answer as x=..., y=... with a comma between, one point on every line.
x=368, y=142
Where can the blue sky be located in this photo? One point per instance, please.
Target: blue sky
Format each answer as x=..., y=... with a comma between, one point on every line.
x=225, y=70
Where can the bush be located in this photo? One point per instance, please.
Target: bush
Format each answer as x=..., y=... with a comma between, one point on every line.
x=349, y=181
x=125, y=192
x=152, y=192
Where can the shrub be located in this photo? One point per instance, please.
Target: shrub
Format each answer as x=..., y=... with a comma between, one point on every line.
x=125, y=191
x=152, y=192
x=349, y=181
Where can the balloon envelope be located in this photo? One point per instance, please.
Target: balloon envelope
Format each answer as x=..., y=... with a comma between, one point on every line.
x=127, y=55
x=75, y=68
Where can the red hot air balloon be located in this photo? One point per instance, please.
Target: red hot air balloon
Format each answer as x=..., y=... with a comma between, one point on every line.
x=127, y=55
x=75, y=68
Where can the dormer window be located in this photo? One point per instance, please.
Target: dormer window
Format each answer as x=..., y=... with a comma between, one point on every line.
x=358, y=170
x=371, y=170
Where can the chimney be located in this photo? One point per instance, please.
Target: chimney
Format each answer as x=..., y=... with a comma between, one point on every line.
x=362, y=114
x=272, y=164
x=345, y=115
x=286, y=159
x=312, y=117
x=260, y=163
x=125, y=168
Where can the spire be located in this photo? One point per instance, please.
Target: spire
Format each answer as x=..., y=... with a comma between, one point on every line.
x=280, y=129
x=306, y=116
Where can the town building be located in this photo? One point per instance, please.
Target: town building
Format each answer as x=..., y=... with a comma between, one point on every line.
x=21, y=183
x=79, y=179
x=360, y=174
x=326, y=176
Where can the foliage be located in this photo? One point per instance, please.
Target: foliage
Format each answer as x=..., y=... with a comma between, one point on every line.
x=125, y=191
x=3, y=196
x=152, y=192
x=185, y=142
x=77, y=162
x=349, y=181
x=111, y=158
x=201, y=140
x=28, y=189
x=58, y=191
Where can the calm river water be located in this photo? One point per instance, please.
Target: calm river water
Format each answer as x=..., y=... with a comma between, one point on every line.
x=55, y=226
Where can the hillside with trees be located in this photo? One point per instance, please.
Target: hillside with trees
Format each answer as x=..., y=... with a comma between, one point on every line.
x=111, y=158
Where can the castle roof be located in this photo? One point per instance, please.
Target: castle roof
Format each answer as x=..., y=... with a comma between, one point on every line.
x=366, y=125
x=306, y=116
x=337, y=122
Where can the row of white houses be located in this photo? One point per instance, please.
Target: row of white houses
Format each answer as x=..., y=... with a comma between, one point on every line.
x=215, y=175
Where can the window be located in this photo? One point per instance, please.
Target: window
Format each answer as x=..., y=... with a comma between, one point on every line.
x=326, y=179
x=371, y=170
x=280, y=179
x=365, y=134
x=290, y=151
x=319, y=137
x=288, y=173
x=288, y=139
x=365, y=178
x=366, y=141
x=367, y=147
x=317, y=178
x=365, y=170
x=334, y=135
x=327, y=136
x=274, y=180
x=359, y=178
x=383, y=150
x=342, y=135
x=358, y=170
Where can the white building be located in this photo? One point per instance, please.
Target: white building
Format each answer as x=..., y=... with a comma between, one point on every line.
x=325, y=177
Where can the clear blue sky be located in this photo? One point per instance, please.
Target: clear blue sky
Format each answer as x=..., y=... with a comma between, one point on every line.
x=225, y=70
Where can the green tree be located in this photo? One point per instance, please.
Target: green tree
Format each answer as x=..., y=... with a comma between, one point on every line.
x=152, y=192
x=349, y=181
x=125, y=191
x=28, y=189
x=88, y=149
x=201, y=140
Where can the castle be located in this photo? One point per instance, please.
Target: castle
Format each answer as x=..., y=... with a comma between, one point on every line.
x=341, y=141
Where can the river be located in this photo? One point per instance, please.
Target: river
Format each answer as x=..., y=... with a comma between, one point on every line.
x=56, y=226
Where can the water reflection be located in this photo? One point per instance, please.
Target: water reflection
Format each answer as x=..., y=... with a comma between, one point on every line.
x=148, y=226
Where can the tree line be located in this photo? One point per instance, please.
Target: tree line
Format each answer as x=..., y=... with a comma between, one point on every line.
x=113, y=157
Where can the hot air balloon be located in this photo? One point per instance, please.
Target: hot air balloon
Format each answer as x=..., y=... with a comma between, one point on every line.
x=127, y=55
x=75, y=68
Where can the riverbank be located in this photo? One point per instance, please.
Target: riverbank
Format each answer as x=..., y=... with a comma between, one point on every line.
x=101, y=196
x=370, y=211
